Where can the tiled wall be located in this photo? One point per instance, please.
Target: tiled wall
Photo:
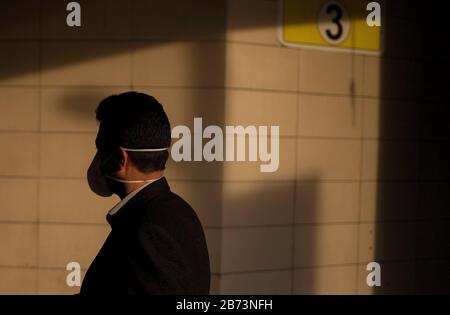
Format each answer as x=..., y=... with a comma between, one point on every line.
x=348, y=148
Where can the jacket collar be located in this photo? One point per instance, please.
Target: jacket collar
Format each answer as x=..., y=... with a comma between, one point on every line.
x=143, y=196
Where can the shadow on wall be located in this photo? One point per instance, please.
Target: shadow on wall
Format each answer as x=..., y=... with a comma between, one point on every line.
x=413, y=236
x=102, y=37
x=271, y=211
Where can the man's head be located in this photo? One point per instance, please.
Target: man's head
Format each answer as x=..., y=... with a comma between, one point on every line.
x=135, y=121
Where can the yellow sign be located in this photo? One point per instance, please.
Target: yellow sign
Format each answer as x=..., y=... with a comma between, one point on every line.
x=338, y=25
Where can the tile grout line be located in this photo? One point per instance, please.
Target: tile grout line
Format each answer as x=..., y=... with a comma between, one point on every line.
x=244, y=181
x=229, y=88
x=294, y=204
x=282, y=136
x=360, y=182
x=103, y=40
x=38, y=205
x=260, y=226
x=131, y=44
x=224, y=88
x=305, y=267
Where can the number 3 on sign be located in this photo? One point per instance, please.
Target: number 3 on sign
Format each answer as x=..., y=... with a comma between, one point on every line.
x=333, y=22
x=333, y=25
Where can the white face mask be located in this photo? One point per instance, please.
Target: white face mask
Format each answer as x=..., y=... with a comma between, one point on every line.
x=97, y=180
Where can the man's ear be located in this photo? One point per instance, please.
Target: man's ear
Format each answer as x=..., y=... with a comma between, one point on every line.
x=124, y=158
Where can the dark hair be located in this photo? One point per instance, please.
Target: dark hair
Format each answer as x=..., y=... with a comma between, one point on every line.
x=136, y=121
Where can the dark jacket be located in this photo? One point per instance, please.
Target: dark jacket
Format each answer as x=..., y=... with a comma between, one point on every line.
x=156, y=246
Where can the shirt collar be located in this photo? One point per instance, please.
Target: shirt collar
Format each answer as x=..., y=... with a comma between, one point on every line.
x=128, y=197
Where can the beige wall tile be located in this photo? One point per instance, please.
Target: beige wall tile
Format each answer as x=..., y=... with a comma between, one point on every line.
x=71, y=201
x=72, y=109
x=194, y=20
x=100, y=19
x=322, y=202
x=20, y=19
x=386, y=241
x=86, y=63
x=18, y=244
x=20, y=154
x=320, y=159
x=390, y=119
x=396, y=278
x=362, y=287
x=393, y=160
x=372, y=76
x=330, y=72
x=204, y=197
x=214, y=287
x=257, y=203
x=18, y=281
x=370, y=160
x=368, y=238
x=182, y=105
x=193, y=170
x=330, y=116
x=319, y=245
x=325, y=280
x=228, y=107
x=178, y=64
x=66, y=155
x=53, y=281
x=19, y=109
x=18, y=199
x=19, y=62
x=60, y=244
x=388, y=201
x=259, y=248
x=251, y=170
x=235, y=170
x=214, y=242
x=252, y=21
x=275, y=282
x=257, y=67
x=256, y=108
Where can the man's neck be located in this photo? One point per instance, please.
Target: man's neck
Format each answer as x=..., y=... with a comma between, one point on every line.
x=130, y=187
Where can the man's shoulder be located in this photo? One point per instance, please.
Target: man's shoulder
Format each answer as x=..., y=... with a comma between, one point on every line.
x=168, y=209
x=168, y=200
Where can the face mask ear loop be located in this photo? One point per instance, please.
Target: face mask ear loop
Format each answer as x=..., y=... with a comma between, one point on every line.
x=128, y=181
x=135, y=150
x=146, y=150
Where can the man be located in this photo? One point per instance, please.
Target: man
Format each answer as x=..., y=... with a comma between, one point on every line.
x=156, y=244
